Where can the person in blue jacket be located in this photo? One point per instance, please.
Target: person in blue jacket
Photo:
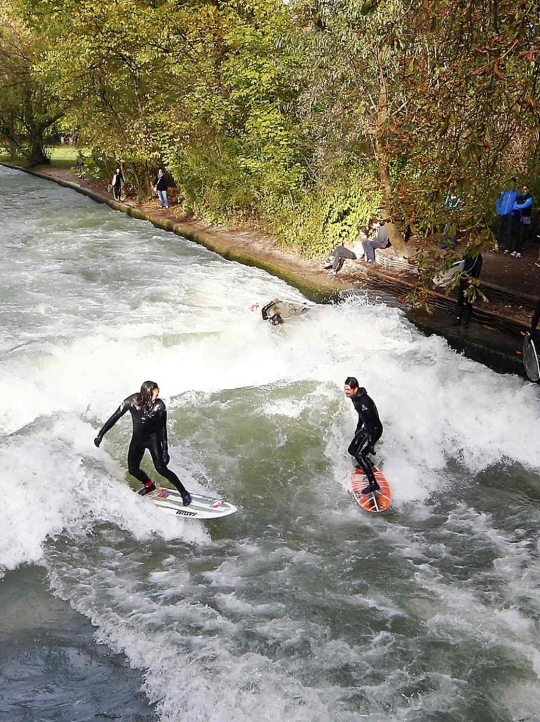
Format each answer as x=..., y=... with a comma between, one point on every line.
x=505, y=210
x=522, y=229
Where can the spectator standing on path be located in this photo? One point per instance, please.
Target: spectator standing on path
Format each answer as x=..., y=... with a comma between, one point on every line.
x=161, y=186
x=116, y=184
x=380, y=240
x=505, y=210
x=471, y=269
x=522, y=228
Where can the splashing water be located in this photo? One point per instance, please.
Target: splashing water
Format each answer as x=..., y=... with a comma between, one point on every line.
x=299, y=607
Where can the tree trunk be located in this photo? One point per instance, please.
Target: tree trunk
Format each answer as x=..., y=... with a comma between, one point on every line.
x=396, y=239
x=36, y=155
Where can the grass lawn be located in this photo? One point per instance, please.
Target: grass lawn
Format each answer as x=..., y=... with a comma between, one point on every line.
x=62, y=156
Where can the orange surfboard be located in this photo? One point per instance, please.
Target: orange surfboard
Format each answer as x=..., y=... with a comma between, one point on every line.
x=376, y=501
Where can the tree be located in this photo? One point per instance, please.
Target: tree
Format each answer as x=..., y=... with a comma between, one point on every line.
x=437, y=97
x=28, y=111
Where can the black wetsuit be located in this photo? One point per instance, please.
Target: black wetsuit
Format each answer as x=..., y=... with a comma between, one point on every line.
x=149, y=432
x=368, y=431
x=117, y=185
x=265, y=309
x=472, y=267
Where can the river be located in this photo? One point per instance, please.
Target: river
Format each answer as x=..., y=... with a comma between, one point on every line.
x=300, y=607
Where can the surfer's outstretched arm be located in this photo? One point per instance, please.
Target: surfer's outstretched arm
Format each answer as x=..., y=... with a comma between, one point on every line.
x=264, y=310
x=107, y=426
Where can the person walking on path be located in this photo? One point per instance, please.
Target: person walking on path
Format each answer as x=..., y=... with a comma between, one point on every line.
x=161, y=185
x=116, y=184
x=149, y=417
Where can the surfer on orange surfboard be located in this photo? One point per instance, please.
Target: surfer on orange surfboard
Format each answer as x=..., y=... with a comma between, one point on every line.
x=368, y=430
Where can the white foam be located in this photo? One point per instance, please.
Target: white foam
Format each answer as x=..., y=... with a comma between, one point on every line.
x=95, y=304
x=47, y=489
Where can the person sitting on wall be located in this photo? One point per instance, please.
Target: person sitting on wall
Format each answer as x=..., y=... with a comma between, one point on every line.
x=381, y=239
x=349, y=250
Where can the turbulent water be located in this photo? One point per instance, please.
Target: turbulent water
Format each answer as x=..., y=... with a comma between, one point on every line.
x=301, y=607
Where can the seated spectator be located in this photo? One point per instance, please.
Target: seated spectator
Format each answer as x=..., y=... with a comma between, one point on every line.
x=349, y=250
x=379, y=240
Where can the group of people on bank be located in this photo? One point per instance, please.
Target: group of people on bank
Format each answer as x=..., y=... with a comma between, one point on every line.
x=160, y=184
x=370, y=237
x=515, y=227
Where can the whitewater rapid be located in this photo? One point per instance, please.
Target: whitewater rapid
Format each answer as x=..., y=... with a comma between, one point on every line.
x=299, y=607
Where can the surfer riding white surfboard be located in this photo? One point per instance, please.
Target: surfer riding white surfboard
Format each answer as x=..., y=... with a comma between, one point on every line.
x=149, y=416
x=529, y=352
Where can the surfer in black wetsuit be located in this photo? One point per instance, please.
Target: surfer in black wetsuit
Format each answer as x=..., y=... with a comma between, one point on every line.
x=471, y=269
x=277, y=311
x=535, y=319
x=274, y=318
x=368, y=430
x=149, y=432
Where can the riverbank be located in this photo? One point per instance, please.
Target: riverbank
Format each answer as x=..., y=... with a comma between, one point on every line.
x=492, y=338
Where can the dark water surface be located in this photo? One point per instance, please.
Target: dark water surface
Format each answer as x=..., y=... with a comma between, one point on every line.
x=50, y=665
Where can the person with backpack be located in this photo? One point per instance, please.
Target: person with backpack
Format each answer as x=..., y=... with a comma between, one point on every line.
x=522, y=227
x=116, y=184
x=505, y=210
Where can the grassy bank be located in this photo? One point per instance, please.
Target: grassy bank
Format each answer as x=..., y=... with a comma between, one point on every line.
x=61, y=156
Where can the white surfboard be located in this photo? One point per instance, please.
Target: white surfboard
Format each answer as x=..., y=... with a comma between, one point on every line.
x=444, y=279
x=530, y=359
x=201, y=507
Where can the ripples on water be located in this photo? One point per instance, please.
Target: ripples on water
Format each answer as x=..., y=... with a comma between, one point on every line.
x=299, y=607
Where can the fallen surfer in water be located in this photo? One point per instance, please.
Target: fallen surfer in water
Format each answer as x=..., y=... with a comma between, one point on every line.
x=278, y=311
x=149, y=416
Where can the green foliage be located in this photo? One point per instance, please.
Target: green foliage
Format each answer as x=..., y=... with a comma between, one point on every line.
x=307, y=116
x=327, y=215
x=28, y=110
